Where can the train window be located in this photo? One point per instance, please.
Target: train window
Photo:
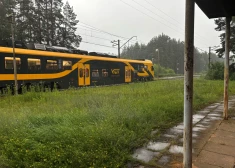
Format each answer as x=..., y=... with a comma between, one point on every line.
x=152, y=68
x=81, y=73
x=67, y=65
x=95, y=73
x=52, y=64
x=9, y=63
x=34, y=64
x=104, y=73
x=87, y=73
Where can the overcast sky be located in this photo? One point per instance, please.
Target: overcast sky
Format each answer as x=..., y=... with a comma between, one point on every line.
x=142, y=18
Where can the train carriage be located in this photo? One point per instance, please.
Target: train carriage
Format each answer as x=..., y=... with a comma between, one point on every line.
x=66, y=69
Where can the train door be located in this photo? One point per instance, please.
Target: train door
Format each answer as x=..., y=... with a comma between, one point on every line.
x=127, y=74
x=84, y=78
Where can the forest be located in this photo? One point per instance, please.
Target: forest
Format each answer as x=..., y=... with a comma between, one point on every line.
x=169, y=53
x=52, y=22
x=41, y=21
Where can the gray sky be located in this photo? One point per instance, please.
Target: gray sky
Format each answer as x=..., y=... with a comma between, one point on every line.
x=149, y=18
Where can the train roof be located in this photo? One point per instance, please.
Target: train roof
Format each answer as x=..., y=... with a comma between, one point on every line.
x=67, y=55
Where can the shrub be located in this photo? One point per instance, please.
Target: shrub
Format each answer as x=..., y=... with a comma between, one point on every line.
x=162, y=71
x=216, y=71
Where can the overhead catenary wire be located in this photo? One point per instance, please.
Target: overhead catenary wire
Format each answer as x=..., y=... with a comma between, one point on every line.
x=171, y=17
x=181, y=33
x=162, y=12
x=96, y=29
x=97, y=44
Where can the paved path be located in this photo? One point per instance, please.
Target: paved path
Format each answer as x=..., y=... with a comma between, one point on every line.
x=213, y=142
x=219, y=149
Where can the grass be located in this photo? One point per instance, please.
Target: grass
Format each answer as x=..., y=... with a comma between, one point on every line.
x=92, y=127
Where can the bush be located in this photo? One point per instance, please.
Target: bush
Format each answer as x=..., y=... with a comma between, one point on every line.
x=216, y=71
x=162, y=71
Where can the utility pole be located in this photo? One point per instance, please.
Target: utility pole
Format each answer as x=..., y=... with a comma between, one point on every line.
x=11, y=17
x=119, y=49
x=117, y=43
x=209, y=64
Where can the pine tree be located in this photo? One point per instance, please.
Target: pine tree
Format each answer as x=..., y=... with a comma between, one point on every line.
x=24, y=19
x=221, y=25
x=66, y=35
x=6, y=8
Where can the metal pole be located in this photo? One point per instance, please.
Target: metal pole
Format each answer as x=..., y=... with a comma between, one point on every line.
x=209, y=64
x=14, y=59
x=119, y=48
x=188, y=82
x=158, y=58
x=226, y=68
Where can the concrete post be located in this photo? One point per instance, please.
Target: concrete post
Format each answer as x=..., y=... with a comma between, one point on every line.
x=188, y=82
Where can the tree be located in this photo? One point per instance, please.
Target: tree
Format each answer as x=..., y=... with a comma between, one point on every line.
x=6, y=8
x=221, y=26
x=24, y=20
x=171, y=54
x=67, y=32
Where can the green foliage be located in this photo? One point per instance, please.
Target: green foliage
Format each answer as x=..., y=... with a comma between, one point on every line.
x=40, y=21
x=92, y=127
x=216, y=71
x=220, y=26
x=170, y=54
x=160, y=71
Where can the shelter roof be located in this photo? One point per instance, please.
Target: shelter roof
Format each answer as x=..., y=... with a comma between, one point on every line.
x=217, y=8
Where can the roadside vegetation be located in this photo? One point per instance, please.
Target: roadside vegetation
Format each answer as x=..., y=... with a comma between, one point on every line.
x=160, y=71
x=92, y=127
x=216, y=71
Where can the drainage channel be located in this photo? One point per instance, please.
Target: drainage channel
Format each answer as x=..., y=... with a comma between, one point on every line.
x=169, y=146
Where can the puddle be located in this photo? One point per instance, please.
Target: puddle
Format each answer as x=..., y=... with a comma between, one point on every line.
x=157, y=146
x=212, y=106
x=215, y=114
x=180, y=126
x=144, y=155
x=211, y=118
x=170, y=136
x=175, y=131
x=164, y=160
x=197, y=117
x=176, y=149
x=203, y=111
x=202, y=125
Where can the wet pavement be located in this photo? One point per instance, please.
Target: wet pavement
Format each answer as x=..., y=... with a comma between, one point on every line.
x=167, y=150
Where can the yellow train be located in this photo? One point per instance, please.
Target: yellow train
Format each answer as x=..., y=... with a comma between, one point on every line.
x=65, y=68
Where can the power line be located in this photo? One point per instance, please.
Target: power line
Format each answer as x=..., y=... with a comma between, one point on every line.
x=150, y=16
x=154, y=14
x=95, y=37
x=97, y=44
x=98, y=37
x=99, y=30
x=171, y=17
x=162, y=12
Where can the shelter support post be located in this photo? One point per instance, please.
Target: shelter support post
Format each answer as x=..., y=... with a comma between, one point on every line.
x=188, y=82
x=226, y=67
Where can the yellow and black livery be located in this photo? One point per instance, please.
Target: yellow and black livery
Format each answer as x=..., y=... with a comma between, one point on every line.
x=74, y=69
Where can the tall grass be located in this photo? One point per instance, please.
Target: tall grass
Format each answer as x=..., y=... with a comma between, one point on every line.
x=92, y=127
